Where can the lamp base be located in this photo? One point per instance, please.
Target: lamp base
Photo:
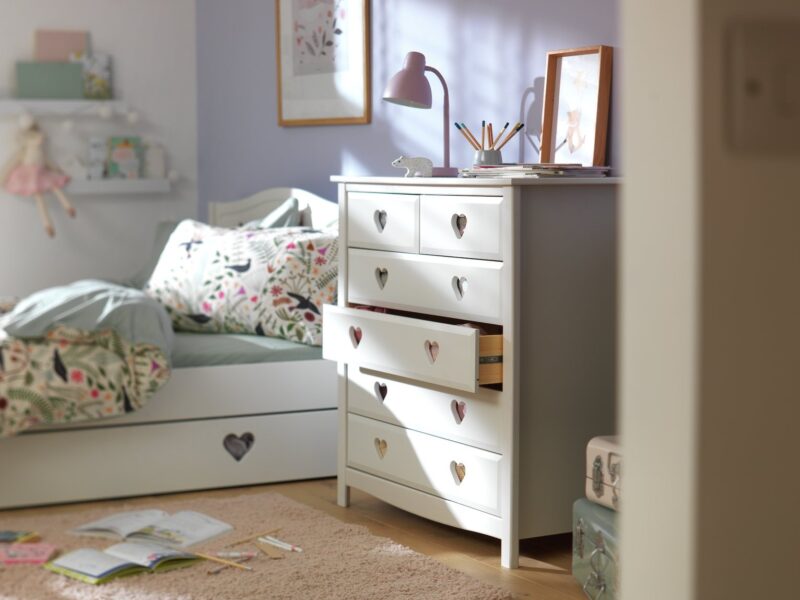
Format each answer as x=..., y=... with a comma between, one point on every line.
x=444, y=172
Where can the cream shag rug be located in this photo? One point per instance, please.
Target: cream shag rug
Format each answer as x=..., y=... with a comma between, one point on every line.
x=339, y=560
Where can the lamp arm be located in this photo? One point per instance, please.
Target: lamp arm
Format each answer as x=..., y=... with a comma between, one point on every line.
x=446, y=116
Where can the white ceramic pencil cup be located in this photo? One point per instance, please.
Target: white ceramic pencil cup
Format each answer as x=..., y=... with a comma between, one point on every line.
x=487, y=157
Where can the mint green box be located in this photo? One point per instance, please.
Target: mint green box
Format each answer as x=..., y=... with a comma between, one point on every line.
x=50, y=80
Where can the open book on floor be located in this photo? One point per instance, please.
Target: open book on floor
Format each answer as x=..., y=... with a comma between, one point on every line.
x=179, y=530
x=128, y=558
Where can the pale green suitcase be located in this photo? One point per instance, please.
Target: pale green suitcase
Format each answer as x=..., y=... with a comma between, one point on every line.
x=595, y=549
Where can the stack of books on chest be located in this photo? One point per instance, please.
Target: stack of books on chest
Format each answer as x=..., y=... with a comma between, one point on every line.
x=534, y=170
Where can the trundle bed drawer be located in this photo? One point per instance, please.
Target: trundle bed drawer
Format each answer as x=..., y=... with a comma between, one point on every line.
x=473, y=419
x=426, y=351
x=383, y=221
x=453, y=287
x=446, y=469
x=469, y=227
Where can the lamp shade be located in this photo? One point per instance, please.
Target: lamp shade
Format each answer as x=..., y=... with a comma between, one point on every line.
x=409, y=86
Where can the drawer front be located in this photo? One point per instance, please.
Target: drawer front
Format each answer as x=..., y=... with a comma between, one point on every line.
x=383, y=221
x=473, y=419
x=446, y=469
x=450, y=287
x=465, y=226
x=414, y=348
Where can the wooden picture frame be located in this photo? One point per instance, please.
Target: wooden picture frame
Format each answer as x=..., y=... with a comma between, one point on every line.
x=576, y=107
x=323, y=62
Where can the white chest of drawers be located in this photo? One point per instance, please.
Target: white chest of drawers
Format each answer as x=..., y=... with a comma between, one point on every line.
x=481, y=427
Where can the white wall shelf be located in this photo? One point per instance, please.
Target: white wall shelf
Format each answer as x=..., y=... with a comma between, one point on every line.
x=119, y=186
x=12, y=107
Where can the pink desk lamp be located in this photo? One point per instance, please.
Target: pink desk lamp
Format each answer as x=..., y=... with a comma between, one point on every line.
x=410, y=87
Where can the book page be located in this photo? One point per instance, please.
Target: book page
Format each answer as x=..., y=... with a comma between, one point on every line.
x=120, y=524
x=91, y=562
x=183, y=529
x=146, y=554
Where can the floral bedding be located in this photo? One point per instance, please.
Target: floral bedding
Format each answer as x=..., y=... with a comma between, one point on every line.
x=82, y=351
x=270, y=282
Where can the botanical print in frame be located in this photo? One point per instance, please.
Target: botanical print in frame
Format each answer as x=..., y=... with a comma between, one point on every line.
x=576, y=105
x=323, y=62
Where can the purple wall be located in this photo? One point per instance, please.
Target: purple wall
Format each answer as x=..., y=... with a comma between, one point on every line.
x=491, y=53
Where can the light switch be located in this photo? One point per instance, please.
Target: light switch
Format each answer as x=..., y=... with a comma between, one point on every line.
x=764, y=87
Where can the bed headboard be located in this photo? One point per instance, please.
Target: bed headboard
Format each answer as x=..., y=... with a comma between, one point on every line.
x=231, y=214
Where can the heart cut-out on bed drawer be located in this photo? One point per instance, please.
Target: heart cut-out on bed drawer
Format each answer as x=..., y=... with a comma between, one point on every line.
x=238, y=445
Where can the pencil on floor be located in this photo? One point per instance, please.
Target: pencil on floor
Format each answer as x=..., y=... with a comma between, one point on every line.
x=222, y=561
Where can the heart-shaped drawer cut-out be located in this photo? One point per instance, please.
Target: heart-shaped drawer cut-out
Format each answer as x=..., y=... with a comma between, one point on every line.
x=355, y=335
x=459, y=286
x=381, y=276
x=381, y=447
x=458, y=470
x=238, y=445
x=381, y=390
x=380, y=220
x=459, y=224
x=431, y=350
x=459, y=408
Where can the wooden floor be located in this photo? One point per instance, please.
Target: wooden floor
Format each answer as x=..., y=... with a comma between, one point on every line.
x=544, y=572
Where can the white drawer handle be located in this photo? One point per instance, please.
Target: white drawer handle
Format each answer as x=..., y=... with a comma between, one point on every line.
x=432, y=350
x=355, y=335
x=458, y=470
x=459, y=286
x=381, y=276
x=381, y=390
x=459, y=409
x=380, y=220
x=381, y=446
x=459, y=223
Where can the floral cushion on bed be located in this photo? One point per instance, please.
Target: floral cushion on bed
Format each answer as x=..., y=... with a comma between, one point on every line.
x=269, y=282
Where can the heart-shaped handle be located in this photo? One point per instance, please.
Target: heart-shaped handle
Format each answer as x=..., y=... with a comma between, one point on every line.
x=355, y=335
x=459, y=224
x=381, y=447
x=380, y=220
x=238, y=445
x=431, y=350
x=458, y=470
x=459, y=286
x=381, y=276
x=459, y=409
x=381, y=390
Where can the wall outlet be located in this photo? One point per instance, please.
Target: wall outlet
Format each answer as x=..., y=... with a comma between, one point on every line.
x=764, y=86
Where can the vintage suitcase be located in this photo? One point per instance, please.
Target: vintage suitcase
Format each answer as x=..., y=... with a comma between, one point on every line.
x=595, y=550
x=603, y=464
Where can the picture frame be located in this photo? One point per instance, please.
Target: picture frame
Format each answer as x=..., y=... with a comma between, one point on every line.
x=577, y=97
x=323, y=62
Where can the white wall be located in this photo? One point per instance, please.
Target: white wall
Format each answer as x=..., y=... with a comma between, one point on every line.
x=152, y=43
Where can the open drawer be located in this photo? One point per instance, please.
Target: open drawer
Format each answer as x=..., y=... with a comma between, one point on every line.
x=427, y=351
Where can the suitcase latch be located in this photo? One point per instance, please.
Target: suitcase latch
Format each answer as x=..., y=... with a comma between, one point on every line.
x=578, y=538
x=597, y=476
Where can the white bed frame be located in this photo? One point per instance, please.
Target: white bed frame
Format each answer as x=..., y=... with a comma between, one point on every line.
x=175, y=443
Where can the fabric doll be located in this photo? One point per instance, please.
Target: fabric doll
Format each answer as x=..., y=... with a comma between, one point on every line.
x=29, y=173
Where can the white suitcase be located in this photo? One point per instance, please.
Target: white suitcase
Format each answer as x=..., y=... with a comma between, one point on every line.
x=603, y=471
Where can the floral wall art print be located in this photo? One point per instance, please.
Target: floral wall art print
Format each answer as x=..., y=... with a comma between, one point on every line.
x=323, y=62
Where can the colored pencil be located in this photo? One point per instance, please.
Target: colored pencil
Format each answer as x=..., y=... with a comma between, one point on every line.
x=250, y=538
x=464, y=133
x=222, y=561
x=221, y=568
x=491, y=136
x=483, y=135
x=511, y=135
x=469, y=133
x=499, y=135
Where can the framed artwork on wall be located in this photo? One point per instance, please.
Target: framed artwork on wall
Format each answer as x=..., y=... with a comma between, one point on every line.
x=577, y=95
x=323, y=62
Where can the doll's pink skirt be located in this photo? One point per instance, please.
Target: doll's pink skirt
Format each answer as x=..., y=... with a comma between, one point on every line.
x=27, y=180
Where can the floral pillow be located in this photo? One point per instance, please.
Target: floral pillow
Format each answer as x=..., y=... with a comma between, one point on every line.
x=269, y=282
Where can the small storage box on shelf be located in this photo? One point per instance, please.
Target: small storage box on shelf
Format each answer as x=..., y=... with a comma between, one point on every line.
x=475, y=336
